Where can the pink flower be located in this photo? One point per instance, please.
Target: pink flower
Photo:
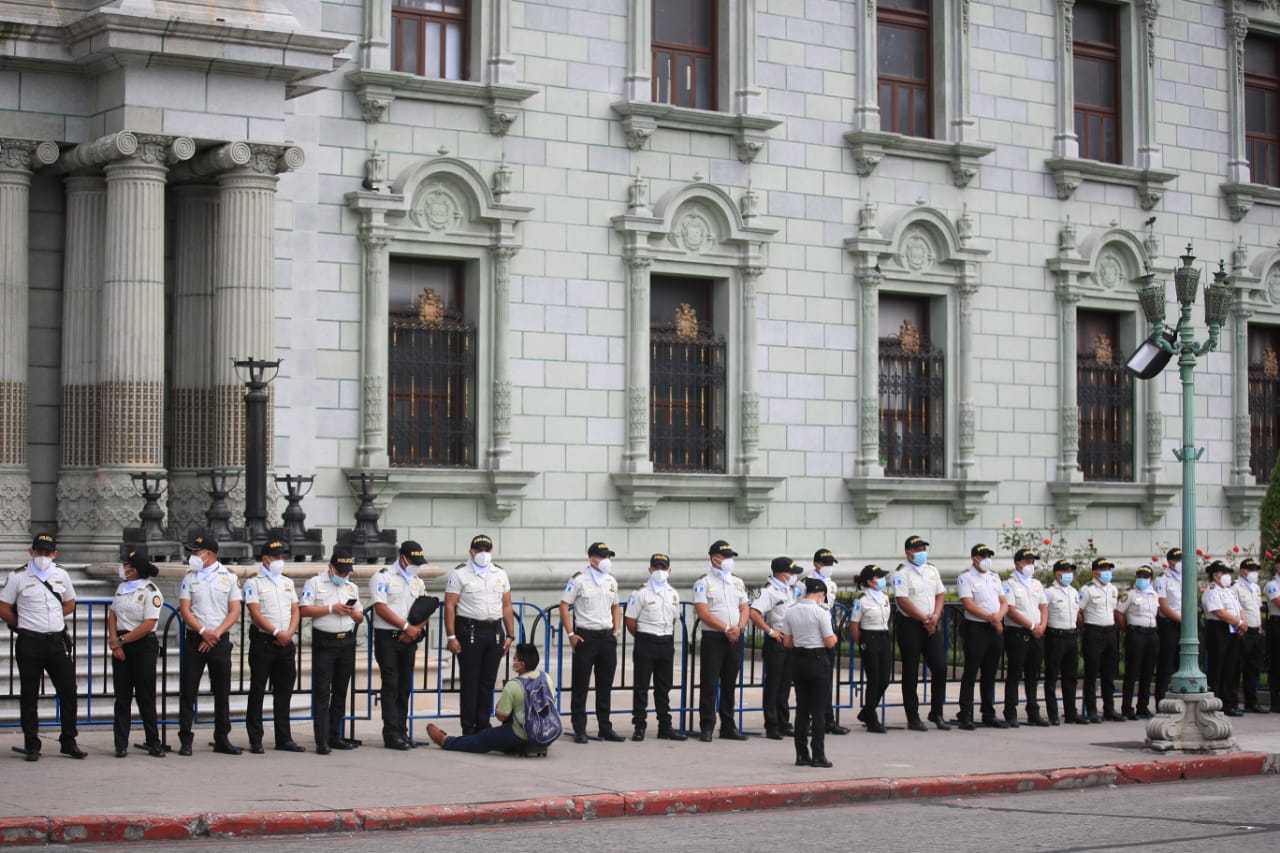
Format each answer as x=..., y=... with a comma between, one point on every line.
x=1017, y=521
x=1047, y=541
x=1199, y=553
x=1236, y=549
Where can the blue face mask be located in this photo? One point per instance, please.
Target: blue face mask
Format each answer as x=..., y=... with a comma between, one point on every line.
x=920, y=557
x=1143, y=584
x=338, y=580
x=1104, y=576
x=1066, y=578
x=880, y=584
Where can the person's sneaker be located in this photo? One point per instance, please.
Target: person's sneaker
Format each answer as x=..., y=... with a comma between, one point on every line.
x=436, y=734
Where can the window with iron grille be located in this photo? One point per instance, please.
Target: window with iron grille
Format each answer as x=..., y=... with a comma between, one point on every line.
x=1261, y=106
x=687, y=378
x=429, y=38
x=903, y=48
x=431, y=398
x=1095, y=51
x=1104, y=396
x=684, y=53
x=912, y=391
x=1264, y=400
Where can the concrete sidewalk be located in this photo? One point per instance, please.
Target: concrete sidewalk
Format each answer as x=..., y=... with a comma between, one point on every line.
x=105, y=798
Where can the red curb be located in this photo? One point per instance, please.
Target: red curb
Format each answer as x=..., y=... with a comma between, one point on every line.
x=1143, y=772
x=514, y=812
x=250, y=824
x=412, y=817
x=595, y=806
x=1216, y=766
x=1081, y=777
x=958, y=786
x=124, y=827
x=17, y=831
x=820, y=793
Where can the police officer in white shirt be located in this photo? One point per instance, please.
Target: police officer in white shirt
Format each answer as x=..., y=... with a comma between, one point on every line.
x=1024, y=627
x=1168, y=621
x=1249, y=593
x=720, y=600
x=768, y=613
x=35, y=601
x=982, y=596
x=131, y=637
x=1136, y=615
x=592, y=629
x=651, y=616
x=919, y=594
x=393, y=591
x=272, y=603
x=869, y=623
x=209, y=604
x=824, y=563
x=481, y=626
x=1223, y=623
x=1098, y=601
x=331, y=600
x=1061, y=650
x=808, y=634
x=1272, y=593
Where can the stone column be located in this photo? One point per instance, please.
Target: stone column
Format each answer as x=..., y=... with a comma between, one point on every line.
x=1069, y=415
x=750, y=431
x=1242, y=444
x=869, y=279
x=636, y=457
x=1238, y=171
x=18, y=157
x=747, y=97
x=500, y=452
x=638, y=84
x=373, y=443
x=1065, y=144
x=967, y=441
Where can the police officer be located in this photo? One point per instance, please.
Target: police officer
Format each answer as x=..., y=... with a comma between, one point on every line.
x=1273, y=633
x=209, y=604
x=1024, y=627
x=651, y=616
x=768, y=613
x=1223, y=623
x=331, y=600
x=131, y=637
x=808, y=635
x=1061, y=654
x=1098, y=601
x=870, y=626
x=477, y=608
x=272, y=603
x=720, y=600
x=823, y=566
x=35, y=601
x=982, y=597
x=1168, y=620
x=919, y=593
x=593, y=629
x=1136, y=614
x=393, y=591
x=1249, y=594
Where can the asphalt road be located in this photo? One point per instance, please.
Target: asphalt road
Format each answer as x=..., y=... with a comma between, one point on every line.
x=1227, y=815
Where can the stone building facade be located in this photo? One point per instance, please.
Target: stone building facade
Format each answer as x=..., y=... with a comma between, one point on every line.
x=829, y=202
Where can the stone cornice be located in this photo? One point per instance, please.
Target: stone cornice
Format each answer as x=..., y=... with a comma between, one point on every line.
x=641, y=118
x=872, y=494
x=377, y=90
x=640, y=492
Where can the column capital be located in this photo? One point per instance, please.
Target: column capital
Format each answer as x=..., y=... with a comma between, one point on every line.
x=26, y=155
x=637, y=262
x=373, y=239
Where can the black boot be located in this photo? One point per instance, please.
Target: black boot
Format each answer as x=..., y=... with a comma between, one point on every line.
x=802, y=757
x=819, y=760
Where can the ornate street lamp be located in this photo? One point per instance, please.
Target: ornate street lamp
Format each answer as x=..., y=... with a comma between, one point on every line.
x=255, y=446
x=1190, y=716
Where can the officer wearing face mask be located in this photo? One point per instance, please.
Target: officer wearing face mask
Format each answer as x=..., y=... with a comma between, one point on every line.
x=869, y=624
x=982, y=596
x=331, y=600
x=272, y=603
x=209, y=604
x=720, y=600
x=1136, y=615
x=393, y=591
x=769, y=614
x=918, y=592
x=1272, y=592
x=652, y=614
x=1249, y=594
x=1098, y=601
x=1168, y=621
x=477, y=608
x=1024, y=627
x=1061, y=653
x=824, y=563
x=592, y=629
x=131, y=636
x=1223, y=623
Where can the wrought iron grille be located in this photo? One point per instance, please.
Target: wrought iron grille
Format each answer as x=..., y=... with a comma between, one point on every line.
x=432, y=393
x=1264, y=417
x=687, y=407
x=1104, y=394
x=912, y=407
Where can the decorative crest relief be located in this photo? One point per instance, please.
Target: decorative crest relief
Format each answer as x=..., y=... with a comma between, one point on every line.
x=1102, y=351
x=694, y=234
x=686, y=322
x=1270, y=364
x=436, y=208
x=917, y=251
x=430, y=307
x=1110, y=270
x=909, y=337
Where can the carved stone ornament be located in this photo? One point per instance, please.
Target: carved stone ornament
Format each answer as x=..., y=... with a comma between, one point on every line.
x=638, y=412
x=1110, y=271
x=1150, y=13
x=430, y=307
x=909, y=337
x=1239, y=23
x=15, y=504
x=501, y=179
x=1273, y=285
x=502, y=408
x=500, y=119
x=436, y=208
x=694, y=234
x=1270, y=364
x=373, y=403
x=1067, y=239
x=374, y=106
x=917, y=251
x=686, y=322
x=1102, y=351
x=1067, y=7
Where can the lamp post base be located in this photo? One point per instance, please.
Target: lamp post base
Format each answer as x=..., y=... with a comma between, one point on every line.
x=1190, y=722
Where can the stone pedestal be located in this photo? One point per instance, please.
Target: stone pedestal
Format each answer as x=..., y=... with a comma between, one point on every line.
x=1190, y=722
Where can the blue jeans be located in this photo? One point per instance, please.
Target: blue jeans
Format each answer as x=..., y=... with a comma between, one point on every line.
x=486, y=740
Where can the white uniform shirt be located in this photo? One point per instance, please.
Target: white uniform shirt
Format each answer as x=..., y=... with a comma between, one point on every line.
x=593, y=601
x=773, y=601
x=1273, y=593
x=722, y=597
x=1024, y=595
x=275, y=599
x=1099, y=601
x=1140, y=608
x=985, y=588
x=319, y=591
x=1217, y=598
x=655, y=609
x=1064, y=605
x=391, y=587
x=210, y=591
x=808, y=624
x=1250, y=597
x=831, y=585
x=1169, y=587
x=871, y=610
x=918, y=584
x=135, y=604
x=479, y=595
x=37, y=609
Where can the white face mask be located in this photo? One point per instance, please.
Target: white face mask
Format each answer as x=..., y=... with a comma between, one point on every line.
x=1224, y=580
x=605, y=565
x=275, y=566
x=1028, y=570
x=483, y=559
x=659, y=576
x=726, y=565
x=1252, y=577
x=1175, y=566
x=985, y=564
x=822, y=570
x=195, y=562
x=120, y=571
x=793, y=580
x=42, y=564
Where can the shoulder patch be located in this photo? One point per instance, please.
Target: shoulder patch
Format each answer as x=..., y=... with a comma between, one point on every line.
x=156, y=601
x=569, y=586
x=700, y=586
x=898, y=580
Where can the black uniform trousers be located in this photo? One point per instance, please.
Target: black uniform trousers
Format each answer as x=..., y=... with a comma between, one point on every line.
x=1101, y=653
x=913, y=642
x=1023, y=656
x=194, y=661
x=718, y=659
x=777, y=684
x=1169, y=633
x=1251, y=664
x=1273, y=651
x=269, y=662
x=1061, y=657
x=877, y=669
x=333, y=663
x=135, y=677
x=38, y=654
x=478, y=664
x=1141, y=648
x=395, y=668
x=653, y=657
x=811, y=674
x=1222, y=661
x=597, y=652
x=981, y=659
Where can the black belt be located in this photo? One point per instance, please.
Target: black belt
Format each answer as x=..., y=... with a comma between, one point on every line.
x=1253, y=630
x=1141, y=629
x=655, y=638
x=1060, y=632
x=40, y=635
x=808, y=652
x=254, y=629
x=866, y=631
x=329, y=635
x=1089, y=627
x=487, y=623
x=1014, y=629
x=594, y=633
